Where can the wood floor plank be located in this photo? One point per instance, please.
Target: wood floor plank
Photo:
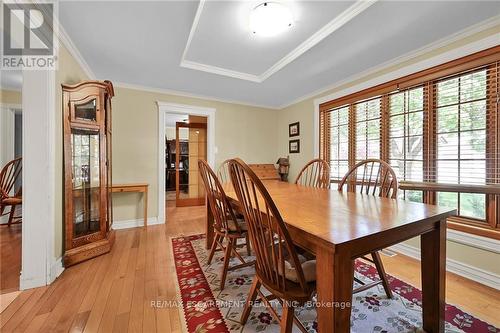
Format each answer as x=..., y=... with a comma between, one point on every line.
x=23, y=311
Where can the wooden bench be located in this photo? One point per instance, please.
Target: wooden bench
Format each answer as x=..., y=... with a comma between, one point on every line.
x=265, y=171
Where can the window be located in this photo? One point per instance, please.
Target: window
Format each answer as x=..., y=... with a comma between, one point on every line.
x=367, y=129
x=339, y=142
x=406, y=140
x=440, y=131
x=461, y=140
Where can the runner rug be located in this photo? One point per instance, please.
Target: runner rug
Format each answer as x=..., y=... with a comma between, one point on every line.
x=205, y=308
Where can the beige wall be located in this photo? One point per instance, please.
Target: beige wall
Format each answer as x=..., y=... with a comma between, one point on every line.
x=10, y=97
x=243, y=131
x=304, y=113
x=69, y=72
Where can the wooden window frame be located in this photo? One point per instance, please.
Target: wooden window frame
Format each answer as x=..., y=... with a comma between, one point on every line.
x=428, y=78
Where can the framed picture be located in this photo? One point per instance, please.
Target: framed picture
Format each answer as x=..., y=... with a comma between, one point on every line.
x=294, y=129
x=294, y=146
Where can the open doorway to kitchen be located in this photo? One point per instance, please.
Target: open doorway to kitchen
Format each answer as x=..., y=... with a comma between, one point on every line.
x=11, y=185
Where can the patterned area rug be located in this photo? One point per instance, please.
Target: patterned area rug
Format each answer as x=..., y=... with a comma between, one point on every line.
x=205, y=308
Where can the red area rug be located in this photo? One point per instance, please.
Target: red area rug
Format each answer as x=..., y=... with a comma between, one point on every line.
x=205, y=308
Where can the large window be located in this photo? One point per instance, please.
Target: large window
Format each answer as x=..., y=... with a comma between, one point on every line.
x=440, y=131
x=406, y=139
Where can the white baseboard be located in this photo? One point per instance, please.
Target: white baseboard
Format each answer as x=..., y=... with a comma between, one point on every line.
x=487, y=278
x=25, y=283
x=125, y=224
x=56, y=269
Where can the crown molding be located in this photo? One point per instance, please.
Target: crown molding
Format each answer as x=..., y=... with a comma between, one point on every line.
x=483, y=44
x=73, y=50
x=354, y=10
x=189, y=95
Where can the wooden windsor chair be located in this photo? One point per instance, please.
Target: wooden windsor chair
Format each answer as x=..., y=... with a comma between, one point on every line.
x=316, y=173
x=8, y=178
x=288, y=276
x=223, y=173
x=377, y=178
x=227, y=226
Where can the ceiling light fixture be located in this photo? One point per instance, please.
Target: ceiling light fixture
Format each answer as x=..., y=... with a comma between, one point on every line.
x=270, y=18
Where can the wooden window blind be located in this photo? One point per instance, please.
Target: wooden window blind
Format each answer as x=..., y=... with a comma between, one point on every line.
x=438, y=128
x=338, y=132
x=406, y=139
x=367, y=129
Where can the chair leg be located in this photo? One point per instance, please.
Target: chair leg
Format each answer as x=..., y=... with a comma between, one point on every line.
x=286, y=318
x=227, y=256
x=247, y=240
x=252, y=295
x=212, y=250
x=381, y=272
x=11, y=215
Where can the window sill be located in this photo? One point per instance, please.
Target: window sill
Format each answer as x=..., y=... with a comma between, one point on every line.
x=477, y=236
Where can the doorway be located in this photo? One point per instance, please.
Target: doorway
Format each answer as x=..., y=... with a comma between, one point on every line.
x=185, y=143
x=189, y=189
x=11, y=213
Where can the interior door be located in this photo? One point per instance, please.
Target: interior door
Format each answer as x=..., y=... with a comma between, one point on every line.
x=191, y=145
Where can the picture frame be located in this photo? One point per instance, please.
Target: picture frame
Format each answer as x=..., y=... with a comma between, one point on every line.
x=294, y=129
x=294, y=146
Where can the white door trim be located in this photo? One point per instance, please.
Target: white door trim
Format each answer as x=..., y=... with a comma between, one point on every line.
x=163, y=109
x=38, y=253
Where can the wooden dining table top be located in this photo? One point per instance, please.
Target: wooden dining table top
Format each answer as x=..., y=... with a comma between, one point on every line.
x=338, y=217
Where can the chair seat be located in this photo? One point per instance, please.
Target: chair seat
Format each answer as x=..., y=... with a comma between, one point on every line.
x=241, y=223
x=12, y=201
x=308, y=268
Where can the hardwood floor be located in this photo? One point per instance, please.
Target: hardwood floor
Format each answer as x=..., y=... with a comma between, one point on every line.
x=10, y=258
x=114, y=292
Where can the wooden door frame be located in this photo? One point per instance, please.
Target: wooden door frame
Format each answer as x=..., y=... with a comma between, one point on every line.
x=165, y=108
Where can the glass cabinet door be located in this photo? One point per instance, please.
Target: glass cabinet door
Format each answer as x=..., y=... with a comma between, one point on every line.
x=86, y=111
x=86, y=182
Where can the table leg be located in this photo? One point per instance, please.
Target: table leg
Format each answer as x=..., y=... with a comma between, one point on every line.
x=334, y=287
x=433, y=246
x=146, y=207
x=209, y=227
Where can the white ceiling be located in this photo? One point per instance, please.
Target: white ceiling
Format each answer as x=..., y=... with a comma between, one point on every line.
x=208, y=49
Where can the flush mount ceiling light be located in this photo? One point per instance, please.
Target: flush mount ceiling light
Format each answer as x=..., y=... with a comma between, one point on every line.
x=270, y=18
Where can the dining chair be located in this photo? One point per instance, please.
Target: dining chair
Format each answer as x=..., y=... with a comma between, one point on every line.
x=289, y=276
x=223, y=172
x=315, y=173
x=372, y=177
x=227, y=226
x=9, y=176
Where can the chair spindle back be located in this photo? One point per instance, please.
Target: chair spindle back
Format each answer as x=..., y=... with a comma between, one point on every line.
x=217, y=200
x=371, y=176
x=269, y=236
x=316, y=173
x=9, y=175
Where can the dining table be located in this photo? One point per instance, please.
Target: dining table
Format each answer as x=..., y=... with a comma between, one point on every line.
x=338, y=227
